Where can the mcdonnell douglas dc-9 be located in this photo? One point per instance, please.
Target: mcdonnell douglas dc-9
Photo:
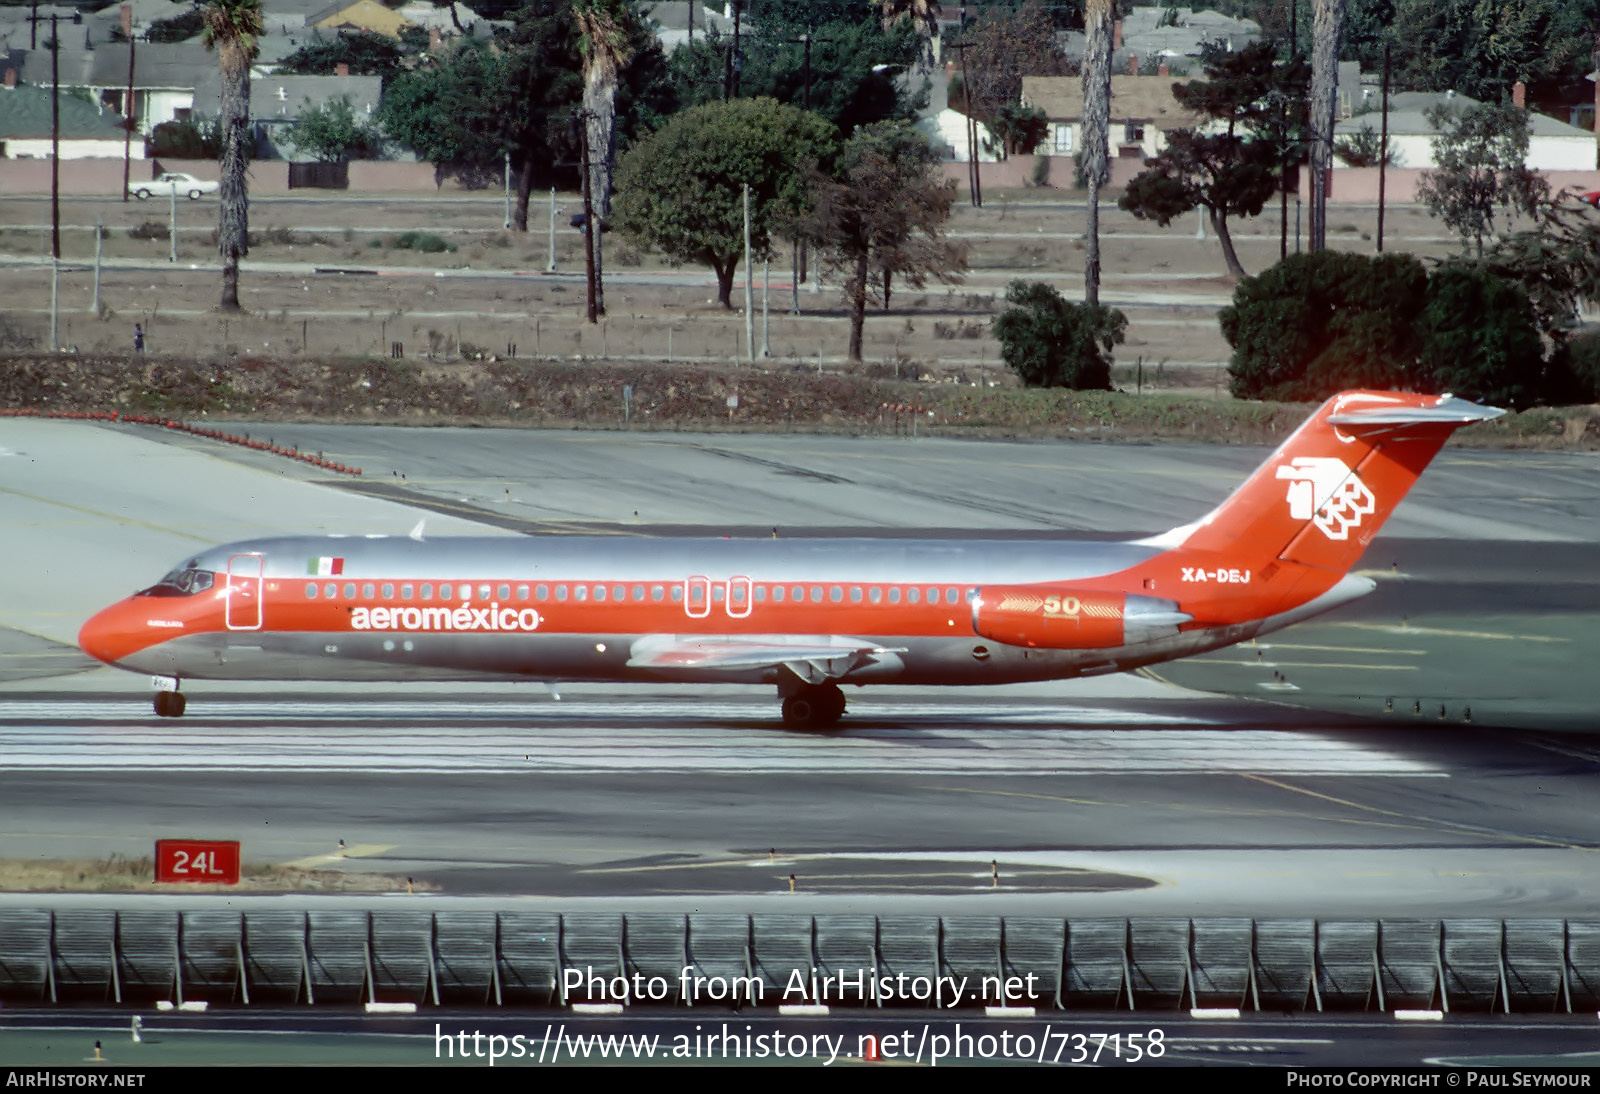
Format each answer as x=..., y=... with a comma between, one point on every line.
x=806, y=615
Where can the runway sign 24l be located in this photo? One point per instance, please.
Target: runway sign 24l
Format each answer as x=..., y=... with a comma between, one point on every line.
x=213, y=861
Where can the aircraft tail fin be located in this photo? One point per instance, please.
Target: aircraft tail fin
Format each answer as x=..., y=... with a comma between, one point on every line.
x=1322, y=496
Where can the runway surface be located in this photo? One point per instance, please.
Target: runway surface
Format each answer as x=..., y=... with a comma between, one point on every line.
x=1115, y=796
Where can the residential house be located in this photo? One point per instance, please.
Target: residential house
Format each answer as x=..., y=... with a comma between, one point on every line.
x=1552, y=145
x=673, y=17
x=164, y=75
x=1143, y=110
x=367, y=15
x=1147, y=37
x=276, y=103
x=86, y=130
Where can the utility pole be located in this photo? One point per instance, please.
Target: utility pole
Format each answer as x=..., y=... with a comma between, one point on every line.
x=800, y=251
x=1383, y=145
x=588, y=218
x=55, y=162
x=551, y=268
x=733, y=63
x=974, y=184
x=127, y=138
x=749, y=291
x=1283, y=182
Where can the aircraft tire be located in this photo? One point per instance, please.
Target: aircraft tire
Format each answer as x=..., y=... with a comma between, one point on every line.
x=160, y=703
x=814, y=707
x=800, y=712
x=176, y=704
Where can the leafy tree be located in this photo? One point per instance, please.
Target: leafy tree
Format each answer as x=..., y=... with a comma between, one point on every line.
x=1557, y=263
x=178, y=28
x=1019, y=129
x=232, y=28
x=884, y=215
x=1006, y=45
x=187, y=140
x=332, y=133
x=1481, y=47
x=365, y=53
x=1481, y=154
x=1052, y=342
x=847, y=85
x=680, y=190
x=476, y=104
x=1225, y=175
x=1364, y=148
x=772, y=19
x=1231, y=172
x=1479, y=339
x=1324, y=321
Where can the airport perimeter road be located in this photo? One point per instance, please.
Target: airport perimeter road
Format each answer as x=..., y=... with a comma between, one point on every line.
x=1110, y=797
x=718, y=1036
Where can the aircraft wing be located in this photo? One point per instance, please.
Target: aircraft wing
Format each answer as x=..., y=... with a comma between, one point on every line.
x=813, y=658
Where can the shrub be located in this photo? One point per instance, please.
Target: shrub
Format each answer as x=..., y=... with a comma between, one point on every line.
x=1479, y=338
x=185, y=140
x=1574, y=374
x=1319, y=323
x=1051, y=342
x=150, y=229
x=426, y=242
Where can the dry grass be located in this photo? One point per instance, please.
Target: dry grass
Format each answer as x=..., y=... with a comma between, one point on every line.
x=119, y=874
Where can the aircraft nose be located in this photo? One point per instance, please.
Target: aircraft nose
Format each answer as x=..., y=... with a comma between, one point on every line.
x=110, y=635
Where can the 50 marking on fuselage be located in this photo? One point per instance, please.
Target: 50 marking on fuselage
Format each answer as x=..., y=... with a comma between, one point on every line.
x=1226, y=577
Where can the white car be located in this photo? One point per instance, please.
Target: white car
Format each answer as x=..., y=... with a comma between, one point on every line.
x=172, y=184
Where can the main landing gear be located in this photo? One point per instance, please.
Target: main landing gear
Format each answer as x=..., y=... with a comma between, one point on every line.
x=813, y=706
x=169, y=704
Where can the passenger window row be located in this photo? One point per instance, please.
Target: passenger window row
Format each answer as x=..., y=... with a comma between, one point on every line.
x=598, y=593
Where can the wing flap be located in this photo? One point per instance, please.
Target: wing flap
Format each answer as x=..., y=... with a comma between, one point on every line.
x=810, y=657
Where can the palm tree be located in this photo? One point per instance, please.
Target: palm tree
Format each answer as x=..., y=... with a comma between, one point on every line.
x=923, y=13
x=1096, y=133
x=231, y=28
x=1327, y=25
x=607, y=28
x=607, y=44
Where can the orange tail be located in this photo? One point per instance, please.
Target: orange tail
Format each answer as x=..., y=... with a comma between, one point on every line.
x=1306, y=516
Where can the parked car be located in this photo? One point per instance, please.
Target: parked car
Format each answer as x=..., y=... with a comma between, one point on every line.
x=1592, y=197
x=172, y=183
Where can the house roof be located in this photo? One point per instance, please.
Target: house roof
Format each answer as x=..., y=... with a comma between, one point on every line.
x=25, y=115
x=675, y=15
x=275, y=98
x=360, y=15
x=155, y=65
x=1408, y=116
x=1145, y=99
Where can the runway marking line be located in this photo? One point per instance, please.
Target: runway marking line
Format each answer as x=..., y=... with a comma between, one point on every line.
x=1284, y=814
x=146, y=525
x=359, y=850
x=1422, y=821
x=1333, y=649
x=1390, y=628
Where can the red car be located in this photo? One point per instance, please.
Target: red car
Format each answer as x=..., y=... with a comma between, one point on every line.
x=1592, y=197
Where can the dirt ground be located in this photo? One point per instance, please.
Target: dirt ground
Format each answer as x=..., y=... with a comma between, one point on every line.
x=490, y=295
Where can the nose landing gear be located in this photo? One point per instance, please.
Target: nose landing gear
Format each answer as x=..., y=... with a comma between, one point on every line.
x=813, y=707
x=169, y=704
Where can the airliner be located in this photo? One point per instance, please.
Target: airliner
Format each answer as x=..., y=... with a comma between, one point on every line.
x=806, y=615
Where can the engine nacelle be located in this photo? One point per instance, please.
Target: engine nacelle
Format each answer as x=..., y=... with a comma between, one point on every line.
x=1054, y=618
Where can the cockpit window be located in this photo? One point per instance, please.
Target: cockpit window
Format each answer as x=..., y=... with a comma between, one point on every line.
x=185, y=582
